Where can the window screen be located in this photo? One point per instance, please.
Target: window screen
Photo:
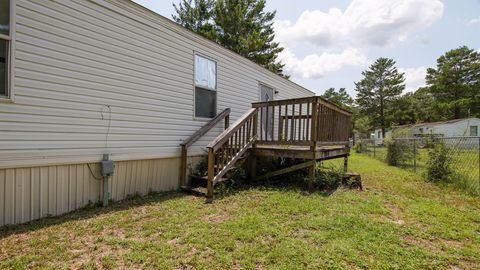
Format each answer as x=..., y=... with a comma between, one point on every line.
x=3, y=67
x=205, y=103
x=4, y=45
x=5, y=17
x=205, y=87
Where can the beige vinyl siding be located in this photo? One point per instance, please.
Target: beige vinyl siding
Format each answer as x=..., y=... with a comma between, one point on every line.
x=71, y=59
x=74, y=57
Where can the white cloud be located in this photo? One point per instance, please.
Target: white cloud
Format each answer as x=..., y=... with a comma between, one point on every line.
x=474, y=21
x=364, y=22
x=316, y=65
x=414, y=78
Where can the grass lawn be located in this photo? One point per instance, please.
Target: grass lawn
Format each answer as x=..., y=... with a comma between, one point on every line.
x=398, y=222
x=464, y=163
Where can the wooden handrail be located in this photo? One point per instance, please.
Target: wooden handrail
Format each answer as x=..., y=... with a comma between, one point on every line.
x=283, y=102
x=317, y=99
x=208, y=126
x=333, y=106
x=225, y=114
x=225, y=135
x=229, y=147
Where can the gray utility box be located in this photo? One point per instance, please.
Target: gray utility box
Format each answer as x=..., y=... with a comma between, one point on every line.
x=108, y=167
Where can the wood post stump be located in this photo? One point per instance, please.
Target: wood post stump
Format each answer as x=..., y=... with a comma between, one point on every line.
x=353, y=180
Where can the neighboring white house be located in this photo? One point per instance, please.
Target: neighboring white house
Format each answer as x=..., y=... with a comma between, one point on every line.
x=378, y=136
x=87, y=77
x=450, y=128
x=467, y=127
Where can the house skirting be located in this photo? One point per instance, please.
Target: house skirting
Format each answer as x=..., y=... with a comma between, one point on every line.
x=30, y=193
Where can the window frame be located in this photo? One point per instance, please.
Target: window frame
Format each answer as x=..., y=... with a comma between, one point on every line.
x=10, y=38
x=195, y=117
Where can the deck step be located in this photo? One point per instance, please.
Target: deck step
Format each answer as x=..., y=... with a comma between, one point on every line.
x=197, y=191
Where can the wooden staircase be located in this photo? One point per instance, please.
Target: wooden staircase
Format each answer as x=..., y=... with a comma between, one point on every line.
x=310, y=129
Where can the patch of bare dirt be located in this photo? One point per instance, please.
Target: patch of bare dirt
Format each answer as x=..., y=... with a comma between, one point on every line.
x=216, y=218
x=422, y=243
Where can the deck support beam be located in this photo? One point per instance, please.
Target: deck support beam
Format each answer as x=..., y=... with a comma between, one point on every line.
x=308, y=164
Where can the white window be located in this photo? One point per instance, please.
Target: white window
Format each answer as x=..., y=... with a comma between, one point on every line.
x=205, y=87
x=474, y=131
x=5, y=41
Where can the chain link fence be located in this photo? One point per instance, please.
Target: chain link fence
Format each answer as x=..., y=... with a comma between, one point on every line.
x=414, y=153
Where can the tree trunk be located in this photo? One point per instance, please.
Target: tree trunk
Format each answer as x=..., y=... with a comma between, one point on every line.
x=456, y=112
x=382, y=118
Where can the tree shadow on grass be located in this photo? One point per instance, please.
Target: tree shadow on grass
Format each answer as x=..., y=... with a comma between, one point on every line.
x=90, y=211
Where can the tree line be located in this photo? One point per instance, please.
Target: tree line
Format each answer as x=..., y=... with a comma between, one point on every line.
x=452, y=88
x=452, y=91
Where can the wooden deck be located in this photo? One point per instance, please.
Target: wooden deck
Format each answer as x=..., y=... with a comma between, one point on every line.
x=309, y=129
x=301, y=152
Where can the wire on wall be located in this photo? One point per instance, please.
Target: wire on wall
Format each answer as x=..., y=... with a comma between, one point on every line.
x=93, y=174
x=103, y=112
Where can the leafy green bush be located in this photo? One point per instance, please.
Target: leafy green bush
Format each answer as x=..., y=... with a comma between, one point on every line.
x=398, y=151
x=439, y=164
x=328, y=178
x=358, y=146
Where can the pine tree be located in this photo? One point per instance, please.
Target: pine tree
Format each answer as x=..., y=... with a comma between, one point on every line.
x=340, y=98
x=242, y=26
x=381, y=86
x=455, y=83
x=197, y=16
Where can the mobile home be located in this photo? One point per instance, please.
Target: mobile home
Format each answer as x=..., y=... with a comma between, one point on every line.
x=85, y=78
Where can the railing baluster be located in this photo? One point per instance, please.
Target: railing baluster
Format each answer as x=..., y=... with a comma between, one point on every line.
x=272, y=135
x=285, y=135
x=267, y=116
x=280, y=124
x=300, y=116
x=261, y=123
x=230, y=150
x=307, y=131
x=292, y=138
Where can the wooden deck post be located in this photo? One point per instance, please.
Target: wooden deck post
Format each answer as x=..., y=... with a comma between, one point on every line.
x=345, y=164
x=253, y=159
x=313, y=148
x=227, y=121
x=211, y=175
x=183, y=166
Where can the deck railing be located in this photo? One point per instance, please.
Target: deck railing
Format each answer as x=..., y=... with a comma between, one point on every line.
x=229, y=147
x=224, y=115
x=302, y=121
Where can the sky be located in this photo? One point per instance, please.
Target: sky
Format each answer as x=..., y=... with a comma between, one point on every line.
x=328, y=43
